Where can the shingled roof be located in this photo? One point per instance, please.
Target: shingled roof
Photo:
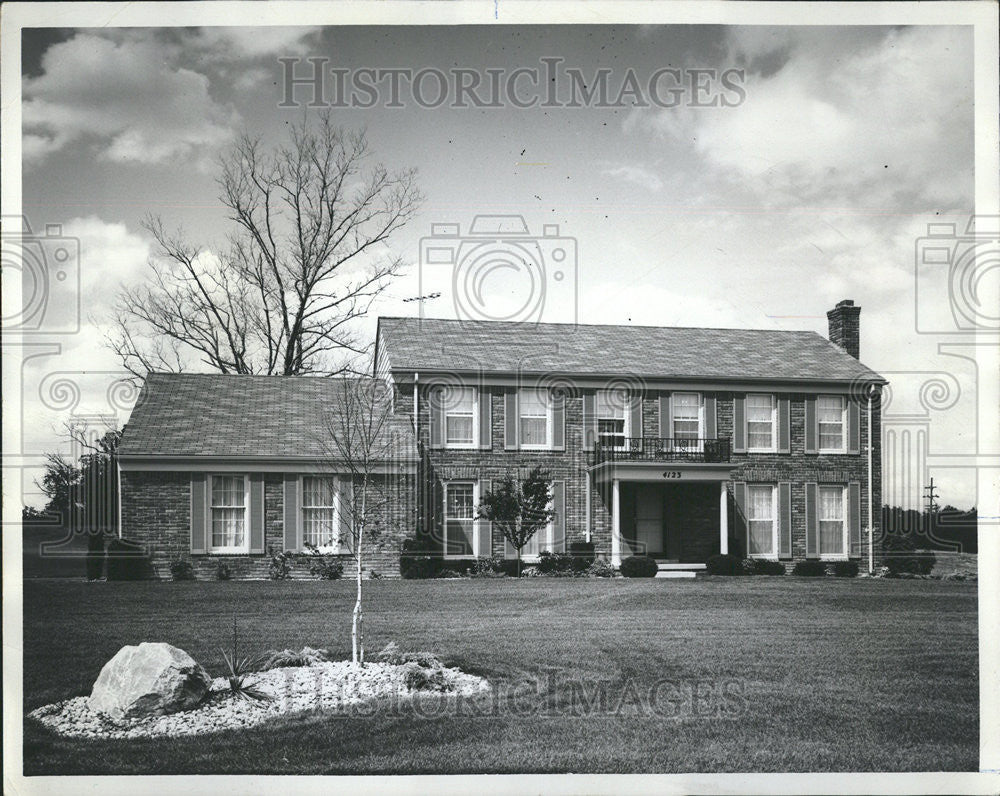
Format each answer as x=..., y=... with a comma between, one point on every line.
x=191, y=414
x=415, y=344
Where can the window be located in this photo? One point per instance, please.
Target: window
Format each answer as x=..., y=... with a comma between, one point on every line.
x=832, y=525
x=761, y=520
x=459, y=519
x=459, y=416
x=319, y=514
x=610, y=410
x=542, y=540
x=534, y=418
x=760, y=422
x=229, y=514
x=686, y=411
x=830, y=418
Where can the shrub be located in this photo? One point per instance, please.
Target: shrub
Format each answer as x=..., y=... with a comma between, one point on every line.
x=550, y=563
x=449, y=573
x=392, y=654
x=762, y=566
x=845, y=569
x=410, y=551
x=324, y=565
x=95, y=556
x=418, y=567
x=583, y=555
x=900, y=555
x=307, y=656
x=810, y=568
x=601, y=568
x=372, y=574
x=723, y=564
x=488, y=568
x=127, y=560
x=280, y=567
x=182, y=570
x=420, y=678
x=639, y=567
x=223, y=572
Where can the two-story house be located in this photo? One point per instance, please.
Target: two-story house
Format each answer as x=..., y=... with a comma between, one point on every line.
x=679, y=443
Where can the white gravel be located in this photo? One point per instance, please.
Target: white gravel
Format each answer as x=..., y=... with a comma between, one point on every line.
x=334, y=687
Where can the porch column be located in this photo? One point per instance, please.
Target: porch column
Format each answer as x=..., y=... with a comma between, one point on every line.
x=616, y=530
x=723, y=519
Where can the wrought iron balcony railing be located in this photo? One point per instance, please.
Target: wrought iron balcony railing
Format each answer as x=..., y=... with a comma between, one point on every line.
x=663, y=449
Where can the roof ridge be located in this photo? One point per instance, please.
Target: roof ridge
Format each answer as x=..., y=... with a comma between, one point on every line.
x=526, y=325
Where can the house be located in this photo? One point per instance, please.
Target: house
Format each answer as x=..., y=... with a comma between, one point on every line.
x=679, y=443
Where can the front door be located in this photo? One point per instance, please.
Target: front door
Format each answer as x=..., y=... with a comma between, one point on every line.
x=649, y=520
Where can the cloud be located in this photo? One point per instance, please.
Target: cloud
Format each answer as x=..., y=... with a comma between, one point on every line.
x=226, y=43
x=635, y=175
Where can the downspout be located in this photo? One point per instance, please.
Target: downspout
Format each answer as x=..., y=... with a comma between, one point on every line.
x=871, y=496
x=118, y=468
x=416, y=412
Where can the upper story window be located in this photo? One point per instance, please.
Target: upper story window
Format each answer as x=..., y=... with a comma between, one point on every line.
x=686, y=411
x=610, y=410
x=761, y=422
x=319, y=515
x=459, y=416
x=832, y=522
x=535, y=419
x=229, y=514
x=830, y=415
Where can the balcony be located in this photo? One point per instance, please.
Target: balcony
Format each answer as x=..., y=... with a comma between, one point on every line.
x=664, y=449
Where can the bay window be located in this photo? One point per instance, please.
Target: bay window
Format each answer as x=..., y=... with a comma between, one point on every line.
x=229, y=514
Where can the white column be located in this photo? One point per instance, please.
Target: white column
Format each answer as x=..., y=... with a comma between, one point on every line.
x=723, y=519
x=616, y=530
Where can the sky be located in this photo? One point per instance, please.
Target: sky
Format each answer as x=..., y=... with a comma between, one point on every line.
x=816, y=186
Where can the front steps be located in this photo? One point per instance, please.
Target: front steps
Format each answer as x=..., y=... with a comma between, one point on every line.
x=672, y=569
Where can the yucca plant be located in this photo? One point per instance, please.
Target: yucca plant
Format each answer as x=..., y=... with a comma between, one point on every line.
x=240, y=668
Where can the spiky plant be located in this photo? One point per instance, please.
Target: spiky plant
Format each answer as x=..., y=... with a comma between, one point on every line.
x=240, y=668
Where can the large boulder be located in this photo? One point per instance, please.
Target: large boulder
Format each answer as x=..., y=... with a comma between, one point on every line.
x=151, y=679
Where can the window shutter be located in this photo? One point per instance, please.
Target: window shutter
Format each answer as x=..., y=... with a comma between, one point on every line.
x=484, y=528
x=346, y=506
x=853, y=426
x=435, y=406
x=664, y=415
x=199, y=513
x=812, y=522
x=784, y=519
x=812, y=430
x=741, y=528
x=510, y=420
x=292, y=529
x=854, y=518
x=784, y=426
x=635, y=416
x=589, y=420
x=739, y=424
x=559, y=521
x=559, y=422
x=256, y=512
x=711, y=429
x=485, y=419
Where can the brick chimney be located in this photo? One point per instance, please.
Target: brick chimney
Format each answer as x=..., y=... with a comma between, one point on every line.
x=845, y=328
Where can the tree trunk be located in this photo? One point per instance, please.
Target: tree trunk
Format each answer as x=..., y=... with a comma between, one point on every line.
x=519, y=562
x=357, y=635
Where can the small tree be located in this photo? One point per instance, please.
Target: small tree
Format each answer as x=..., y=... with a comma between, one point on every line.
x=519, y=508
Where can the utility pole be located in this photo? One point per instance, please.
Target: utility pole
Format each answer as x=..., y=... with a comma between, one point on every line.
x=931, y=496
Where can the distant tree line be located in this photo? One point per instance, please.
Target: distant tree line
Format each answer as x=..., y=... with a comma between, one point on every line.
x=948, y=528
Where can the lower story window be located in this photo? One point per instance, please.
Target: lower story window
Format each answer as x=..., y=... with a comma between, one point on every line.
x=459, y=518
x=229, y=513
x=760, y=520
x=319, y=515
x=832, y=521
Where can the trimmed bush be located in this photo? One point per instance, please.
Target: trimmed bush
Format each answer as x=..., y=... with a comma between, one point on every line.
x=127, y=560
x=411, y=550
x=418, y=567
x=601, y=568
x=307, y=656
x=900, y=555
x=810, y=568
x=280, y=567
x=488, y=568
x=583, y=555
x=551, y=563
x=323, y=565
x=845, y=569
x=449, y=573
x=639, y=567
x=762, y=566
x=722, y=564
x=182, y=570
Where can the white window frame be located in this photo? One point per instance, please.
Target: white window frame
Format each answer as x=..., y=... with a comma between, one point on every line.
x=210, y=531
x=626, y=418
x=701, y=423
x=335, y=507
x=774, y=423
x=545, y=533
x=444, y=527
x=474, y=443
x=845, y=529
x=547, y=400
x=773, y=555
x=843, y=426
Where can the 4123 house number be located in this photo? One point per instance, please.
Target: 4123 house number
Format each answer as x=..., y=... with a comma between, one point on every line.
x=671, y=473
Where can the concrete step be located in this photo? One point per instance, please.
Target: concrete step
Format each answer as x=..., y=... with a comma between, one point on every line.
x=675, y=573
x=667, y=566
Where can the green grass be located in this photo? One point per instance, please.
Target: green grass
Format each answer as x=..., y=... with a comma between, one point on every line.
x=821, y=674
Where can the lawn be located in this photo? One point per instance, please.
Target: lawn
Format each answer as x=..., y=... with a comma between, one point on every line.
x=714, y=674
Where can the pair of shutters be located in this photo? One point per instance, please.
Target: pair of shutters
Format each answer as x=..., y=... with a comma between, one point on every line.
x=512, y=417
x=784, y=430
x=666, y=429
x=633, y=410
x=853, y=429
x=484, y=410
x=558, y=524
x=201, y=512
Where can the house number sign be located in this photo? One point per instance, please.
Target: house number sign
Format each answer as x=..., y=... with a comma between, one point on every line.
x=671, y=473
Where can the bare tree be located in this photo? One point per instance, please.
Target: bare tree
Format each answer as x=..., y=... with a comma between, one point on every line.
x=364, y=444
x=306, y=259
